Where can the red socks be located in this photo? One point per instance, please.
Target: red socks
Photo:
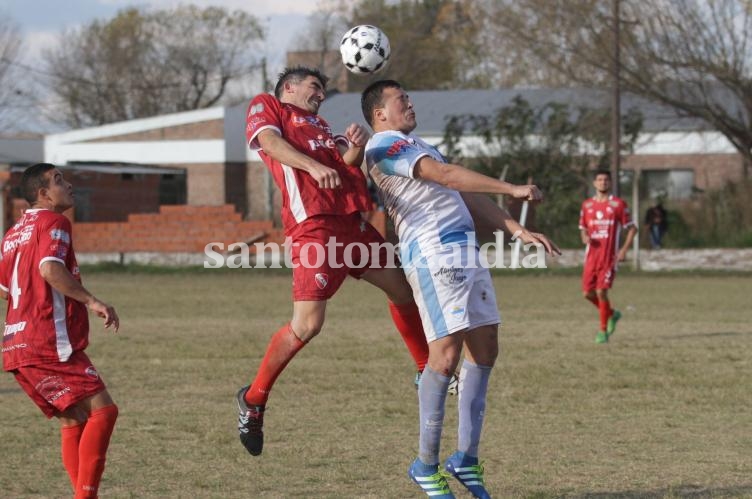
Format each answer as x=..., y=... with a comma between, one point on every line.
x=69, y=438
x=84, y=450
x=407, y=320
x=282, y=348
x=604, y=306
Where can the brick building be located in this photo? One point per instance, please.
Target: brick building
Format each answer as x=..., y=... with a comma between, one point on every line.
x=200, y=158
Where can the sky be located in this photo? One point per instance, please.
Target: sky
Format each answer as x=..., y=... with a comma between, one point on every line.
x=41, y=20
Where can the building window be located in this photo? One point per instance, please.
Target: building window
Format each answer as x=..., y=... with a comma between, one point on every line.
x=670, y=184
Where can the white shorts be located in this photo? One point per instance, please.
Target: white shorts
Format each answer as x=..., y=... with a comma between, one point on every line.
x=451, y=295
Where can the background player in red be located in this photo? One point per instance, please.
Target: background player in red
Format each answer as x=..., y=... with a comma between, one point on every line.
x=602, y=219
x=323, y=194
x=47, y=327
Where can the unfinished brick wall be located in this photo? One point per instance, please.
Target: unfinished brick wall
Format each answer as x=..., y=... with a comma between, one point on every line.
x=175, y=229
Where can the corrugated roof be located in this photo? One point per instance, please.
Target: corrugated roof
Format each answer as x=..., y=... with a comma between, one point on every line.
x=434, y=107
x=21, y=150
x=114, y=168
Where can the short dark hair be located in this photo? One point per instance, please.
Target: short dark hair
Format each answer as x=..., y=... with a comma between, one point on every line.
x=602, y=172
x=297, y=74
x=33, y=179
x=372, y=97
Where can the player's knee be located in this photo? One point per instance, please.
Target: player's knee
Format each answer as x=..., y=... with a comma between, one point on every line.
x=307, y=330
x=483, y=348
x=114, y=412
x=401, y=294
x=445, y=362
x=489, y=354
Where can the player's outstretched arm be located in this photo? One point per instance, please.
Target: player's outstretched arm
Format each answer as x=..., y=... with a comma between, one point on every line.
x=463, y=179
x=489, y=217
x=61, y=279
x=278, y=148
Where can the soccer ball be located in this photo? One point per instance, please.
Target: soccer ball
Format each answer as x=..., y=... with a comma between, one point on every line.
x=364, y=49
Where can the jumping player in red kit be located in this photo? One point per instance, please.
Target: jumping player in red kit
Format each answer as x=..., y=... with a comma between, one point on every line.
x=47, y=327
x=602, y=219
x=323, y=194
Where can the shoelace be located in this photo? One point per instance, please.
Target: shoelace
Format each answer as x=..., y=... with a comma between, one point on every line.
x=254, y=420
x=436, y=483
x=470, y=475
x=251, y=421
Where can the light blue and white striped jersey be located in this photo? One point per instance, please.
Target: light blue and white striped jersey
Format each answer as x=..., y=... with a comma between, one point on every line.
x=427, y=216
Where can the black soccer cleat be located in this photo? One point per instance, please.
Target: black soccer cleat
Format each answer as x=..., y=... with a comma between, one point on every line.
x=250, y=424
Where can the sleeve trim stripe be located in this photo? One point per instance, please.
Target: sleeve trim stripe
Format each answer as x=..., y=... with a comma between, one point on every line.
x=50, y=259
x=253, y=143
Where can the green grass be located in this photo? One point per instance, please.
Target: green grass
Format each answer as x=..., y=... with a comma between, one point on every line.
x=662, y=411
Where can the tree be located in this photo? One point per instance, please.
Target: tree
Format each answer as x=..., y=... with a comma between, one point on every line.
x=10, y=46
x=554, y=145
x=326, y=25
x=142, y=64
x=433, y=41
x=692, y=55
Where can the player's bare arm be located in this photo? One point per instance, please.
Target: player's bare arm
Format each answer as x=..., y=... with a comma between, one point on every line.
x=631, y=231
x=357, y=135
x=488, y=216
x=584, y=237
x=463, y=179
x=61, y=279
x=278, y=148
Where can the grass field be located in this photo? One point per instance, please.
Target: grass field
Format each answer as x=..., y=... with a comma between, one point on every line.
x=663, y=411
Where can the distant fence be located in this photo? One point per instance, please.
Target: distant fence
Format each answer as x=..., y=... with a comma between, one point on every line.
x=731, y=260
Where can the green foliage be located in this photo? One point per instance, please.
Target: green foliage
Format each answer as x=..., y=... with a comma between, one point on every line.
x=720, y=218
x=553, y=145
x=145, y=63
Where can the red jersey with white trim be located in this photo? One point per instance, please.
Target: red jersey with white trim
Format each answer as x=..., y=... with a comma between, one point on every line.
x=311, y=135
x=41, y=324
x=603, y=222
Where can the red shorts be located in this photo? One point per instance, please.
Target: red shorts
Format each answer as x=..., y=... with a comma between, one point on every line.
x=597, y=275
x=327, y=248
x=57, y=386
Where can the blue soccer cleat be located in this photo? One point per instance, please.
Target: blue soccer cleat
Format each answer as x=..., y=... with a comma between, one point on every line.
x=469, y=472
x=430, y=479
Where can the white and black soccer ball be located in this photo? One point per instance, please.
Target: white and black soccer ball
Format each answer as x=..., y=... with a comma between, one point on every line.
x=364, y=49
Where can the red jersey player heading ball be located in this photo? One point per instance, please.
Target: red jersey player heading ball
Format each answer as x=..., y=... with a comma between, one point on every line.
x=602, y=219
x=323, y=194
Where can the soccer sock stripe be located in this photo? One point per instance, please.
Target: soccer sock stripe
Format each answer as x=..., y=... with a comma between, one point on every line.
x=471, y=406
x=92, y=450
x=70, y=436
x=406, y=318
x=282, y=348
